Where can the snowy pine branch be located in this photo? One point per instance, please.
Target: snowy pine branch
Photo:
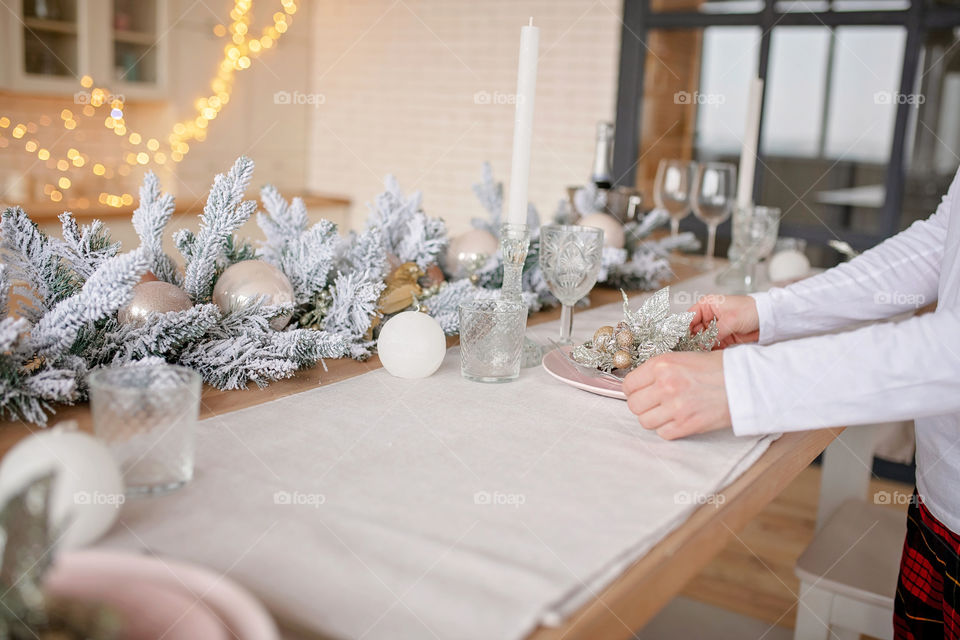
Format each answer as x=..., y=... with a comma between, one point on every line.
x=34, y=259
x=364, y=252
x=281, y=222
x=4, y=290
x=306, y=256
x=163, y=335
x=444, y=305
x=231, y=363
x=102, y=295
x=407, y=232
x=10, y=331
x=150, y=219
x=490, y=194
x=354, y=305
x=223, y=214
x=84, y=248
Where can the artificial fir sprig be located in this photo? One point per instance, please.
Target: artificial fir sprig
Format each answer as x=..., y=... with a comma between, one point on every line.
x=149, y=221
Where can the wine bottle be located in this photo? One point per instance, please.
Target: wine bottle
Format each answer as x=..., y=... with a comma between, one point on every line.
x=602, y=176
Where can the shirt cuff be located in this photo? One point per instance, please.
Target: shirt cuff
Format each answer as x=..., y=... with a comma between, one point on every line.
x=740, y=392
x=765, y=314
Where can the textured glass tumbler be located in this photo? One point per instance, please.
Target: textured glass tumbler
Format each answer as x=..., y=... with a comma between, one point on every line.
x=491, y=340
x=147, y=416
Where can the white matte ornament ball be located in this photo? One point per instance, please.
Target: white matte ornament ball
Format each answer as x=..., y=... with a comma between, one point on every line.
x=470, y=246
x=613, y=233
x=153, y=296
x=788, y=265
x=88, y=490
x=411, y=345
x=245, y=281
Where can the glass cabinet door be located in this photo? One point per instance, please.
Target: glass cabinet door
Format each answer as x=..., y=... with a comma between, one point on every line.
x=50, y=38
x=134, y=41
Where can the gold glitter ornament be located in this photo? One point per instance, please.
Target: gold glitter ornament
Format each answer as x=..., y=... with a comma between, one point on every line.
x=622, y=360
x=603, y=331
x=154, y=296
x=624, y=338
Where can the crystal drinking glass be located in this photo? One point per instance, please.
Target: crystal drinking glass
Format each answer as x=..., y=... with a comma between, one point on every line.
x=570, y=258
x=147, y=416
x=671, y=191
x=714, y=192
x=491, y=339
x=754, y=236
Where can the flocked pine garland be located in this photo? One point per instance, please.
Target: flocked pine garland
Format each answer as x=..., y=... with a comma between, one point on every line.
x=69, y=290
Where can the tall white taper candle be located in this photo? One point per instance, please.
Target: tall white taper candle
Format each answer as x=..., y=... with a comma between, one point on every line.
x=751, y=136
x=523, y=123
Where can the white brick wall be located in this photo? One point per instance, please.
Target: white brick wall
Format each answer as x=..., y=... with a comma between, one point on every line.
x=399, y=78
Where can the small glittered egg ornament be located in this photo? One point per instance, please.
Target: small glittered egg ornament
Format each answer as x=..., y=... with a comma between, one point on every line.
x=622, y=359
x=88, y=491
x=468, y=251
x=411, y=345
x=625, y=338
x=246, y=281
x=613, y=233
x=153, y=296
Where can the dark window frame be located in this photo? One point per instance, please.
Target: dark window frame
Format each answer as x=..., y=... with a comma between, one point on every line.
x=639, y=19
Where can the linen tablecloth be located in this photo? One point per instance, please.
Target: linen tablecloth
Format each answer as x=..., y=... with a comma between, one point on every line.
x=386, y=508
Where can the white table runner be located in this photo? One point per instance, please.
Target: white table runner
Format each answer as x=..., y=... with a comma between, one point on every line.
x=386, y=508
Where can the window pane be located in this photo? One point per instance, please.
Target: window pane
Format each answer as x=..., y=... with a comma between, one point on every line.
x=933, y=152
x=694, y=95
x=728, y=62
x=793, y=122
x=828, y=126
x=707, y=6
x=871, y=5
x=868, y=62
x=814, y=6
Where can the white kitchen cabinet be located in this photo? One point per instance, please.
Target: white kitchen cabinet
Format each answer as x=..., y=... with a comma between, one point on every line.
x=51, y=44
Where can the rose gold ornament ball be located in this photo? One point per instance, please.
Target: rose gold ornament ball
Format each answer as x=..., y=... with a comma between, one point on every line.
x=622, y=359
x=245, y=281
x=154, y=296
x=469, y=250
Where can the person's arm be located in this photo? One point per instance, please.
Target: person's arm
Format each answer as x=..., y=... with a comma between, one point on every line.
x=877, y=373
x=897, y=275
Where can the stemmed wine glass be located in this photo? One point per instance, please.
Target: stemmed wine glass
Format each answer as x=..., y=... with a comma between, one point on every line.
x=671, y=191
x=714, y=192
x=754, y=235
x=570, y=258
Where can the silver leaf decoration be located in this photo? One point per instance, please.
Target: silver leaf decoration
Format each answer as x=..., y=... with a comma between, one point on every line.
x=655, y=331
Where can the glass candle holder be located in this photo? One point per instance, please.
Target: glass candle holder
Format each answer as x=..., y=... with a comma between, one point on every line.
x=491, y=339
x=514, y=245
x=147, y=416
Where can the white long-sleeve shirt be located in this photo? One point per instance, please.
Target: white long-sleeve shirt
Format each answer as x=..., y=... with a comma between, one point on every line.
x=878, y=373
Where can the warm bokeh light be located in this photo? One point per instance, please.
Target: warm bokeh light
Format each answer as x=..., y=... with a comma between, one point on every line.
x=239, y=50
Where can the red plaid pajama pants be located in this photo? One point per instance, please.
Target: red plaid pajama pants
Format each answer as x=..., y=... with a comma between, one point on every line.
x=928, y=593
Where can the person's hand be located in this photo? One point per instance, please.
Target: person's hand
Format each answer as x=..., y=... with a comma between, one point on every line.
x=736, y=318
x=679, y=394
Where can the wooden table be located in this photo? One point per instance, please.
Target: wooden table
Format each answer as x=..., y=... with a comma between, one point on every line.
x=642, y=590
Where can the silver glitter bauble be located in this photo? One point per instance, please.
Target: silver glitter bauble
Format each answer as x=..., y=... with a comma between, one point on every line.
x=154, y=296
x=469, y=251
x=246, y=281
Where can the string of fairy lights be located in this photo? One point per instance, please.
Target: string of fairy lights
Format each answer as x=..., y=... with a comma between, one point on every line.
x=242, y=46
